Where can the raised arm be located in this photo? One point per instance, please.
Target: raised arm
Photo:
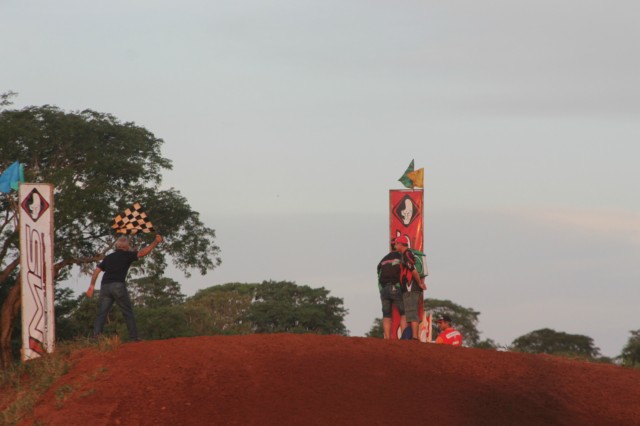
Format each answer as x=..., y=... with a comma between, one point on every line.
x=145, y=251
x=94, y=277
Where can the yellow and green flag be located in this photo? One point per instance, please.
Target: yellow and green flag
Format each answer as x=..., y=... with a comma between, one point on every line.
x=405, y=179
x=417, y=178
x=412, y=178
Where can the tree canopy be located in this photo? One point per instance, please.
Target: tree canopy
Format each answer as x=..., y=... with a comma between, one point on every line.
x=631, y=352
x=548, y=341
x=274, y=307
x=284, y=307
x=98, y=166
x=376, y=330
x=233, y=308
x=155, y=292
x=223, y=308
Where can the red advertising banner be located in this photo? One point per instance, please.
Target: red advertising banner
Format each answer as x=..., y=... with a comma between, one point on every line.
x=406, y=217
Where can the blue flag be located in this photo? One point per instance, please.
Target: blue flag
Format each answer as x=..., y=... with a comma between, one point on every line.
x=11, y=177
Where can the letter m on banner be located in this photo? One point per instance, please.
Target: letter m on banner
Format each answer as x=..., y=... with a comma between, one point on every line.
x=36, y=269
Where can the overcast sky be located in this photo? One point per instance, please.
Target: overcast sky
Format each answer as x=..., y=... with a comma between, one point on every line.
x=288, y=121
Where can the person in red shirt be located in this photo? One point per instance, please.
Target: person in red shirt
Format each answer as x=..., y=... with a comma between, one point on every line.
x=448, y=335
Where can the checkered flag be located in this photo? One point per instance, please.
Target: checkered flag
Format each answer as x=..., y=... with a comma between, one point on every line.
x=132, y=221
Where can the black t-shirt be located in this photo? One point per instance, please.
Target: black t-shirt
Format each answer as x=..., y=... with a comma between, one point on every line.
x=116, y=265
x=389, y=269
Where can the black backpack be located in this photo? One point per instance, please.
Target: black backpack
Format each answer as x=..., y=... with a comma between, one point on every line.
x=389, y=269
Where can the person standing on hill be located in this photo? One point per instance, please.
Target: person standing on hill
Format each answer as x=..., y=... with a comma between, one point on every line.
x=113, y=287
x=390, y=292
x=448, y=335
x=411, y=283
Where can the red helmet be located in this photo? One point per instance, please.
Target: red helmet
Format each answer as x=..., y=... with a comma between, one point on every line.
x=402, y=239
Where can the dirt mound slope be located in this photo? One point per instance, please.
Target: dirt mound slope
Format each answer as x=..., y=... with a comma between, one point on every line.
x=321, y=380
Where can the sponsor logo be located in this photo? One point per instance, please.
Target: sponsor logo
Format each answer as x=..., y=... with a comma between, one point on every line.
x=406, y=211
x=35, y=205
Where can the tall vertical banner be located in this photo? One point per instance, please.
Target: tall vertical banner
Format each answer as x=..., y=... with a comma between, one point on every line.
x=36, y=269
x=406, y=218
x=406, y=215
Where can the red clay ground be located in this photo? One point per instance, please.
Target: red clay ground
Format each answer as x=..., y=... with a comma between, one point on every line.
x=327, y=380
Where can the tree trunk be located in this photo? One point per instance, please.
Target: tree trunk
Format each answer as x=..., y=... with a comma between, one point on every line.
x=11, y=306
x=8, y=314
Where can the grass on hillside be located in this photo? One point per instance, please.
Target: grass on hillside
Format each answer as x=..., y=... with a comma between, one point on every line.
x=22, y=384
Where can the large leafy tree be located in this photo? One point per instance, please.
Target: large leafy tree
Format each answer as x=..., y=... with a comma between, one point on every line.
x=376, y=329
x=5, y=99
x=285, y=307
x=631, y=352
x=548, y=341
x=98, y=166
x=155, y=292
x=233, y=308
x=73, y=316
x=271, y=307
x=224, y=309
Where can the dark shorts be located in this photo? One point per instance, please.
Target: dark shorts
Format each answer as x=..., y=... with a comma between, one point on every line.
x=411, y=301
x=389, y=296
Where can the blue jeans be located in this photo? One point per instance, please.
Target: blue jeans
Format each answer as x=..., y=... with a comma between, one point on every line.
x=115, y=292
x=391, y=295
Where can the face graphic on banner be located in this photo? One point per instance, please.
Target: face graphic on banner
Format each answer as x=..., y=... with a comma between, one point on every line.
x=35, y=205
x=407, y=213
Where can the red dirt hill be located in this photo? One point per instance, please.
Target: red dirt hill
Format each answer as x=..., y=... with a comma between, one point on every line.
x=326, y=380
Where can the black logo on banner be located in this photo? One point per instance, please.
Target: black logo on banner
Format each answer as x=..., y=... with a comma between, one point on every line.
x=406, y=211
x=35, y=205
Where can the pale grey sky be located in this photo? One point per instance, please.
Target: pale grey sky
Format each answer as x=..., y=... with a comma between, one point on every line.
x=289, y=121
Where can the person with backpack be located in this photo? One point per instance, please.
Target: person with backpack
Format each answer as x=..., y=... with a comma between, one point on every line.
x=411, y=283
x=390, y=291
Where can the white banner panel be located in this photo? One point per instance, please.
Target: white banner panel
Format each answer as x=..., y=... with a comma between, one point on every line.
x=36, y=269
